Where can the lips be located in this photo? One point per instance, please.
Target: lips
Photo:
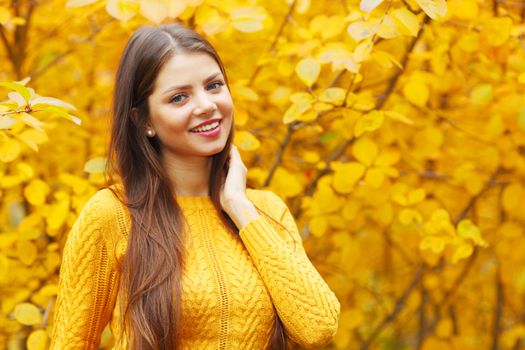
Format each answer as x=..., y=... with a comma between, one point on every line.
x=207, y=125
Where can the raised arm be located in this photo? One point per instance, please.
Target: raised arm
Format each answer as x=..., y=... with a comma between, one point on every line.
x=88, y=279
x=307, y=307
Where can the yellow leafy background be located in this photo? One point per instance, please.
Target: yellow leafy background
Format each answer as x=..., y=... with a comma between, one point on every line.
x=394, y=129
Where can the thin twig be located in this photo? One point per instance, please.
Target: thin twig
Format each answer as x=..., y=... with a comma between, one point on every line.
x=475, y=198
x=280, y=153
x=498, y=313
x=422, y=318
x=36, y=74
x=400, y=302
x=275, y=39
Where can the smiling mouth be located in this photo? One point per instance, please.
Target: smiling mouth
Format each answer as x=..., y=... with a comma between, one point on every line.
x=204, y=128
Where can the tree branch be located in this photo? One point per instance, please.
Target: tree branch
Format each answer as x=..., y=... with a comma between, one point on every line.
x=422, y=318
x=280, y=153
x=498, y=313
x=36, y=74
x=340, y=150
x=400, y=302
x=274, y=42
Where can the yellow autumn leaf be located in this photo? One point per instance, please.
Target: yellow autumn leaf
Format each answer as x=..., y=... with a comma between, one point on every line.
x=365, y=151
x=37, y=340
x=369, y=5
x=79, y=3
x=346, y=175
x=444, y=328
x=512, y=196
x=286, y=183
x=416, y=196
x=9, y=150
x=351, y=210
x=26, y=252
x=308, y=71
x=57, y=216
x=409, y=216
x=481, y=94
x=36, y=192
x=246, y=141
x=462, y=251
x=155, y=10
x=497, y=30
x=295, y=111
x=385, y=59
x=318, y=226
x=406, y=21
x=352, y=318
x=123, y=10
x=388, y=28
x=467, y=230
x=398, y=117
x=362, y=51
x=5, y=16
x=33, y=138
x=368, y=122
x=27, y=314
x=416, y=92
x=333, y=95
x=248, y=19
x=95, y=165
x=374, y=177
x=434, y=243
x=361, y=30
x=464, y=9
x=327, y=27
x=387, y=158
x=211, y=20
x=433, y=8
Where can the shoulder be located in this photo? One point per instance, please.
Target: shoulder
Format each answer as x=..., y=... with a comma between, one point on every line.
x=103, y=209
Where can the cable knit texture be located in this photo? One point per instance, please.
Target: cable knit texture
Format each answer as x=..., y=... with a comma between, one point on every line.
x=230, y=283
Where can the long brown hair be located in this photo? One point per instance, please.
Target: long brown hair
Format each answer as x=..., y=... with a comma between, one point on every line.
x=153, y=264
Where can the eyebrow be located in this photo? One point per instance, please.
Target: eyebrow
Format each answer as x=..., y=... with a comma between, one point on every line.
x=172, y=88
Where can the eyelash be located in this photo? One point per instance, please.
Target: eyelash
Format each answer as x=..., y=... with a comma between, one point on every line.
x=172, y=100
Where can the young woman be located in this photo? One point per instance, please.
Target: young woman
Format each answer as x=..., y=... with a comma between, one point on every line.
x=182, y=255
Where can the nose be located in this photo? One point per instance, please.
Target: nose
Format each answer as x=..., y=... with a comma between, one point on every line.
x=203, y=104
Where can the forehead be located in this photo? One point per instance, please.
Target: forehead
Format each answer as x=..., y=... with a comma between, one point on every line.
x=186, y=69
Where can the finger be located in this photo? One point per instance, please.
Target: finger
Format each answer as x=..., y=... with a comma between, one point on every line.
x=234, y=152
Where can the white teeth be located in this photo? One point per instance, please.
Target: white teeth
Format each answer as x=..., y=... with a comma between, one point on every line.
x=205, y=127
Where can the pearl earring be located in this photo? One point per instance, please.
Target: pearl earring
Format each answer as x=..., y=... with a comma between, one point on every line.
x=150, y=133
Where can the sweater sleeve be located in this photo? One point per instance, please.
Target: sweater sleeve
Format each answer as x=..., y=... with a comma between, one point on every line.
x=307, y=307
x=87, y=280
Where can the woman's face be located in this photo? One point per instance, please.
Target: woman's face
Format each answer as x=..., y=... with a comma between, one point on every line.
x=190, y=108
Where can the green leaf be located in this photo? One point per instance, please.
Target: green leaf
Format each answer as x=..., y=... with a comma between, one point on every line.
x=21, y=89
x=50, y=101
x=95, y=165
x=61, y=113
x=327, y=137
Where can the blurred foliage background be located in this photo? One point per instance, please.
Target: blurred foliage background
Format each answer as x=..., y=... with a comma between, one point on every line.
x=394, y=129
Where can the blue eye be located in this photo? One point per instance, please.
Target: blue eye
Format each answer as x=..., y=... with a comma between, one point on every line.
x=215, y=85
x=177, y=98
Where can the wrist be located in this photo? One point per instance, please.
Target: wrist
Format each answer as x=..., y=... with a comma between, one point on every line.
x=241, y=210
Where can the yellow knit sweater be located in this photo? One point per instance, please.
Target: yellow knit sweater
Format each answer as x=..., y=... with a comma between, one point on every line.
x=230, y=285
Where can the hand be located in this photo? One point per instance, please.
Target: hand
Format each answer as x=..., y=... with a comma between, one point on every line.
x=233, y=193
x=234, y=187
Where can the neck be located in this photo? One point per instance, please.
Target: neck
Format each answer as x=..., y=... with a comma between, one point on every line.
x=189, y=176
